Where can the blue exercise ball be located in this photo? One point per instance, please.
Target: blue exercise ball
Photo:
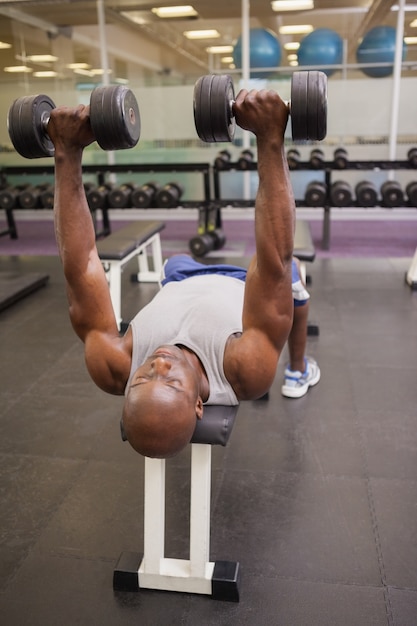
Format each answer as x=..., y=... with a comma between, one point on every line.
x=264, y=51
x=321, y=47
x=378, y=46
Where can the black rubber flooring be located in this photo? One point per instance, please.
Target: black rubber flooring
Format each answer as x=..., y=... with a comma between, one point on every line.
x=316, y=497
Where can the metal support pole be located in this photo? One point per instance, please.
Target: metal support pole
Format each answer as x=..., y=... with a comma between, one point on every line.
x=104, y=61
x=396, y=83
x=245, y=81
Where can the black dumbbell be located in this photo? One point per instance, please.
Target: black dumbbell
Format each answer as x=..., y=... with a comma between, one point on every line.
x=317, y=159
x=222, y=160
x=366, y=194
x=411, y=191
x=340, y=159
x=97, y=197
x=28, y=198
x=214, y=99
x=293, y=158
x=340, y=194
x=200, y=245
x=392, y=194
x=245, y=160
x=143, y=197
x=46, y=197
x=8, y=196
x=412, y=156
x=120, y=197
x=315, y=194
x=168, y=196
x=114, y=117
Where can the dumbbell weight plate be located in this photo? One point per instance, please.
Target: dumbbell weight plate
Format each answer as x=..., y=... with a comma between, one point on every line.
x=200, y=245
x=298, y=106
x=219, y=238
x=26, y=125
x=308, y=106
x=115, y=117
x=213, y=116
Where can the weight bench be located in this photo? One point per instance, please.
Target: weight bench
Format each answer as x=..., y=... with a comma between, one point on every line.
x=305, y=251
x=120, y=247
x=152, y=570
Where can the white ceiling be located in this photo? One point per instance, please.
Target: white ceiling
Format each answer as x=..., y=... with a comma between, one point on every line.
x=350, y=18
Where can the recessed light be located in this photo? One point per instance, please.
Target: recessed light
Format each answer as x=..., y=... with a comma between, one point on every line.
x=18, y=69
x=219, y=49
x=179, y=11
x=296, y=29
x=42, y=58
x=292, y=45
x=202, y=34
x=45, y=74
x=292, y=5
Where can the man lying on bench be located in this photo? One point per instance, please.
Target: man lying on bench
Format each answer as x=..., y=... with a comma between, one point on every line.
x=214, y=338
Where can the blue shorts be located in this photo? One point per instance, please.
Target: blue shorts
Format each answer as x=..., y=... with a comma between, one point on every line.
x=182, y=266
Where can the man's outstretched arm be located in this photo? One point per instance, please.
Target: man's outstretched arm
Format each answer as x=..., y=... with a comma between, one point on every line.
x=268, y=304
x=90, y=308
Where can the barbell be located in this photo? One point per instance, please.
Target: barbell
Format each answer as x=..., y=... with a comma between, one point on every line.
x=214, y=99
x=114, y=117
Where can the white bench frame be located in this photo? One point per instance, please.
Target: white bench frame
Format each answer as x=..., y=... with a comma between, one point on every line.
x=156, y=571
x=114, y=268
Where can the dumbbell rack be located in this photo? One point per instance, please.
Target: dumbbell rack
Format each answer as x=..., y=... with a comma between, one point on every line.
x=103, y=170
x=327, y=168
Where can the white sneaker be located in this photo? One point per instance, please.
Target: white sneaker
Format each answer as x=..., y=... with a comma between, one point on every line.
x=296, y=384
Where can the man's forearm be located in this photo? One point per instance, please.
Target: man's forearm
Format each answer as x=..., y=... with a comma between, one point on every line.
x=275, y=205
x=74, y=228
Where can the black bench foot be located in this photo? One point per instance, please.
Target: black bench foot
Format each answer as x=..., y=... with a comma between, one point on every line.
x=125, y=575
x=226, y=580
x=313, y=330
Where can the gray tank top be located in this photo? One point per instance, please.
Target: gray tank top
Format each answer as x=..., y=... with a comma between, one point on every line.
x=200, y=313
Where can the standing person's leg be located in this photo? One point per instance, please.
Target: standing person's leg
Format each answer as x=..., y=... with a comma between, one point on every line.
x=302, y=371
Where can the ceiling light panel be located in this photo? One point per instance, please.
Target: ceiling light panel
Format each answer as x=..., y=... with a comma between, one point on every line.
x=175, y=12
x=202, y=34
x=292, y=5
x=219, y=49
x=296, y=29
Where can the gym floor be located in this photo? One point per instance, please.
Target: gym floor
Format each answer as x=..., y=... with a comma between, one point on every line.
x=316, y=497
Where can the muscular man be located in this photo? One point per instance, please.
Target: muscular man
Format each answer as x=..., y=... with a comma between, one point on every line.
x=210, y=338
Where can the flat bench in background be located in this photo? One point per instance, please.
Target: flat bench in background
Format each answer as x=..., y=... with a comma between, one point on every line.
x=133, y=240
x=152, y=570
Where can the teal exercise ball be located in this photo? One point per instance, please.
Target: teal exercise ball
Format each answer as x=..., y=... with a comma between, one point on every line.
x=378, y=46
x=264, y=51
x=321, y=47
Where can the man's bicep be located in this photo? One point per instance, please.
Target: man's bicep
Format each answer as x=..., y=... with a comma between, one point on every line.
x=107, y=362
x=90, y=305
x=268, y=307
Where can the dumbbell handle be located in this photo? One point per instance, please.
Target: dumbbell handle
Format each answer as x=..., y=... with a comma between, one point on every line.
x=232, y=102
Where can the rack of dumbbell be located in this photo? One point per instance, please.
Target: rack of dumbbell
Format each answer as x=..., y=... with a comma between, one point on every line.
x=103, y=195
x=329, y=191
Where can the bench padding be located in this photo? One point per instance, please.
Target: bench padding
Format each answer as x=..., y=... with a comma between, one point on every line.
x=216, y=424
x=123, y=241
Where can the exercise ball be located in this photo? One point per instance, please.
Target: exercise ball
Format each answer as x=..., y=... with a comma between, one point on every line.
x=378, y=46
x=264, y=51
x=321, y=47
